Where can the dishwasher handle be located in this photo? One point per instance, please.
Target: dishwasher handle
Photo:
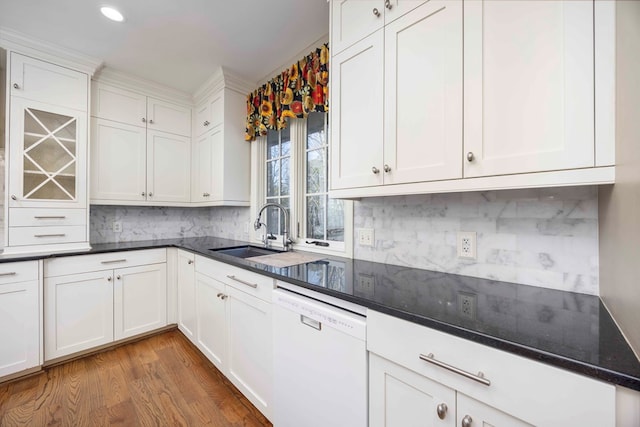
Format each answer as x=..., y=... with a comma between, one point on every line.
x=310, y=322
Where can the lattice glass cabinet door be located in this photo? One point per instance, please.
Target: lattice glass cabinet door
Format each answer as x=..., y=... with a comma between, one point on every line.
x=48, y=155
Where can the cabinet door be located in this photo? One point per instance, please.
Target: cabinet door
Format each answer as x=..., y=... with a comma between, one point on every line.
x=168, y=167
x=202, y=119
x=48, y=155
x=209, y=114
x=140, y=299
x=250, y=347
x=44, y=82
x=187, y=295
x=423, y=94
x=211, y=324
x=207, y=167
x=352, y=20
x=78, y=312
x=119, y=105
x=118, y=161
x=167, y=117
x=357, y=114
x=529, y=86
x=400, y=397
x=478, y=414
x=20, y=332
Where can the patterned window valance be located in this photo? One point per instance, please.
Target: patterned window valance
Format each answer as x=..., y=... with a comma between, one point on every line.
x=296, y=92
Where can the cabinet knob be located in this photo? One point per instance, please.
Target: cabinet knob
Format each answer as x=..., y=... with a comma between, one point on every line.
x=13, y=197
x=190, y=262
x=470, y=156
x=205, y=194
x=118, y=277
x=224, y=297
x=150, y=121
x=441, y=410
x=387, y=168
x=466, y=421
x=206, y=123
x=16, y=86
x=375, y=170
x=150, y=194
x=388, y=4
x=143, y=194
x=376, y=12
x=144, y=120
x=109, y=279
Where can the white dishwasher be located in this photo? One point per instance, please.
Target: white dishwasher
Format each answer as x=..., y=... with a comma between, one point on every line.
x=320, y=364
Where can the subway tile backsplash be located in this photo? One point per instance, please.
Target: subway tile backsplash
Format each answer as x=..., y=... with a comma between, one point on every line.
x=542, y=237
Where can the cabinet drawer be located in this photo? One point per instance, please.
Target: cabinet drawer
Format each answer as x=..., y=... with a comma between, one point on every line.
x=107, y=261
x=13, y=272
x=238, y=278
x=515, y=382
x=34, y=217
x=21, y=236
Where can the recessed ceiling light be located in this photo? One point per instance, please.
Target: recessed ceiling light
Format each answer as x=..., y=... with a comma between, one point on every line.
x=112, y=13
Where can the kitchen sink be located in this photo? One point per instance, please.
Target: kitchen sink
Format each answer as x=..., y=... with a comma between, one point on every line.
x=247, y=251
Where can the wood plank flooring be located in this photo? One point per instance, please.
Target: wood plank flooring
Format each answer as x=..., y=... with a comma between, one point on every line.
x=159, y=381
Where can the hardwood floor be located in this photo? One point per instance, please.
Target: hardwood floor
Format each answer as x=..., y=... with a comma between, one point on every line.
x=159, y=381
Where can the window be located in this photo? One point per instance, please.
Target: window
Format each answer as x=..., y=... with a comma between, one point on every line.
x=292, y=168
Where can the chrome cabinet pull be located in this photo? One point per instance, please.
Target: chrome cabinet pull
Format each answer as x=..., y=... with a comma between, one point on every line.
x=12, y=273
x=144, y=120
x=470, y=157
x=388, y=4
x=376, y=12
x=150, y=194
x=109, y=279
x=150, y=121
x=232, y=277
x=113, y=261
x=143, y=194
x=13, y=197
x=441, y=410
x=50, y=217
x=50, y=235
x=467, y=421
x=387, y=168
x=190, y=262
x=16, y=86
x=206, y=123
x=118, y=277
x=310, y=322
x=479, y=377
x=375, y=170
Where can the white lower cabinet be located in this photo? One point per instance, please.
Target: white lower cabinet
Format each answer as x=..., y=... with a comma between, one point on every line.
x=19, y=317
x=232, y=311
x=407, y=390
x=89, y=303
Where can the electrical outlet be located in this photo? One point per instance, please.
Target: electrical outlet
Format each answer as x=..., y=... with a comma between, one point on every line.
x=365, y=284
x=365, y=237
x=117, y=227
x=467, y=305
x=467, y=244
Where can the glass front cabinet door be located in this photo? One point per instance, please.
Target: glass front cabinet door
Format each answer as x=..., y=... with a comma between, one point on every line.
x=48, y=147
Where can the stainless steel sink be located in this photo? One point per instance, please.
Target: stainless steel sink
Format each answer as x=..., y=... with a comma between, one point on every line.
x=246, y=251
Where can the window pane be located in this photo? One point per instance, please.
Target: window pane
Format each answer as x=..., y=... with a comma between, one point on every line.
x=316, y=171
x=284, y=201
x=315, y=217
x=335, y=220
x=272, y=215
x=285, y=177
x=273, y=147
x=286, y=141
x=273, y=177
x=315, y=123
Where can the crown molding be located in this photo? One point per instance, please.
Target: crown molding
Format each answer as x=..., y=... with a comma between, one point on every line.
x=223, y=78
x=40, y=49
x=138, y=84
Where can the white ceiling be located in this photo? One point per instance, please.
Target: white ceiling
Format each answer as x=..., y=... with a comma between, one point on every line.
x=178, y=43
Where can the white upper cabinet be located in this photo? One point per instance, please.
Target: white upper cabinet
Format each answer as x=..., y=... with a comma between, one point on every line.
x=119, y=105
x=49, y=83
x=396, y=114
x=168, y=171
x=168, y=117
x=210, y=114
x=353, y=20
x=537, y=107
x=529, y=86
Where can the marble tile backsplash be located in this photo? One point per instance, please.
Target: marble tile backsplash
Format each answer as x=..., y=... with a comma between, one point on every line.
x=146, y=223
x=542, y=237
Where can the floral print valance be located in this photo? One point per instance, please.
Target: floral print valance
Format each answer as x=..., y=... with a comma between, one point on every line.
x=296, y=92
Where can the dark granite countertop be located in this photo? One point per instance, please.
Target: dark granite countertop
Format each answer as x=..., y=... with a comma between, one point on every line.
x=564, y=329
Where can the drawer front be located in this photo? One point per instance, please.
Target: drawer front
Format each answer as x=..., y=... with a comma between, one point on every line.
x=107, y=261
x=13, y=272
x=34, y=217
x=22, y=236
x=515, y=382
x=238, y=278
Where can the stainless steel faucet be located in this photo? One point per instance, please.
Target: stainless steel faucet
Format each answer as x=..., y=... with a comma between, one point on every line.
x=286, y=241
